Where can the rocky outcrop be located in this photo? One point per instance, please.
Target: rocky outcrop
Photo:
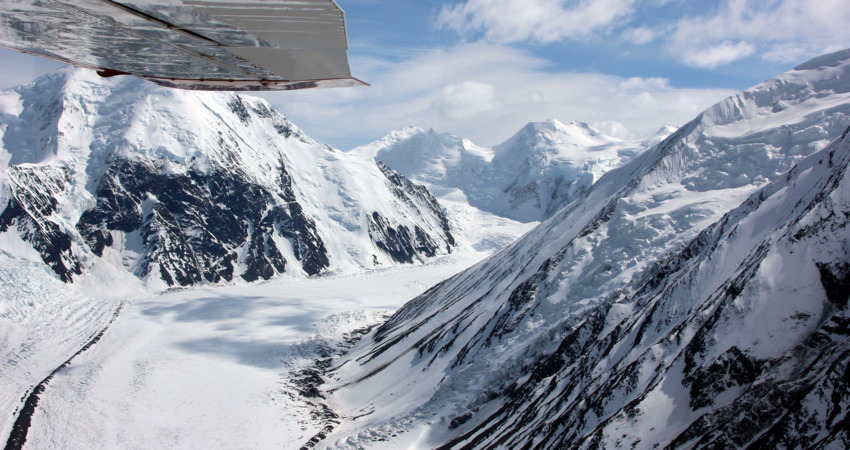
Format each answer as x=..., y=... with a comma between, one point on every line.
x=199, y=226
x=405, y=244
x=31, y=211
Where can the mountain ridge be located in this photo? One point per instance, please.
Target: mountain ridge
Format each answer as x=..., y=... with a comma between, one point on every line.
x=492, y=347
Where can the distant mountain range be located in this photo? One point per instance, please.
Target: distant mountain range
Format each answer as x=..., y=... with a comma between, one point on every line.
x=179, y=188
x=528, y=178
x=694, y=297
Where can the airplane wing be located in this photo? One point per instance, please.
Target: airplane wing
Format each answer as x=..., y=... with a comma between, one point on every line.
x=189, y=44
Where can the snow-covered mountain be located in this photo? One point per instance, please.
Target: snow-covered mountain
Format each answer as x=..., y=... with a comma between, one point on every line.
x=696, y=296
x=181, y=187
x=528, y=178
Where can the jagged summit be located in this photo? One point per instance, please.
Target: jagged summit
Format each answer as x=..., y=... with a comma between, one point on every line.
x=181, y=187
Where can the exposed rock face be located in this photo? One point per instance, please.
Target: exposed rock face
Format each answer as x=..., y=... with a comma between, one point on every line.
x=181, y=188
x=400, y=242
x=31, y=211
x=201, y=226
x=602, y=384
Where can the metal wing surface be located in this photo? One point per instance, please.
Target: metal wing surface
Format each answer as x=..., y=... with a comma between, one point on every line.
x=189, y=44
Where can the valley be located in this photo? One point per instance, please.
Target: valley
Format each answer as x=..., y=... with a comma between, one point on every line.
x=212, y=366
x=563, y=289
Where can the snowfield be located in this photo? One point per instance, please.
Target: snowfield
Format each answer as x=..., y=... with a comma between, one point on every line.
x=208, y=367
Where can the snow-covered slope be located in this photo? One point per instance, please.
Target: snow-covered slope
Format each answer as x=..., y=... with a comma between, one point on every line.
x=530, y=176
x=42, y=323
x=683, y=299
x=180, y=187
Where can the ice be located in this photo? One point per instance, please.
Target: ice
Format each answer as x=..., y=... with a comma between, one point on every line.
x=197, y=367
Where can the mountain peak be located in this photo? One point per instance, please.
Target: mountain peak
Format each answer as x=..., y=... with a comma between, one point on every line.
x=555, y=125
x=184, y=187
x=404, y=133
x=412, y=141
x=829, y=60
x=554, y=137
x=548, y=124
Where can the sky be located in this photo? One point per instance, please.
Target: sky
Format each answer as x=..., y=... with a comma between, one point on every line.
x=481, y=69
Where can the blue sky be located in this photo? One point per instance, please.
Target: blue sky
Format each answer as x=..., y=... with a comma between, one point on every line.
x=418, y=27
x=481, y=69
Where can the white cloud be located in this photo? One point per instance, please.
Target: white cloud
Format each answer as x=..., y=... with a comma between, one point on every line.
x=786, y=53
x=778, y=30
x=641, y=35
x=485, y=93
x=782, y=31
x=643, y=84
x=465, y=99
x=611, y=128
x=718, y=55
x=507, y=21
